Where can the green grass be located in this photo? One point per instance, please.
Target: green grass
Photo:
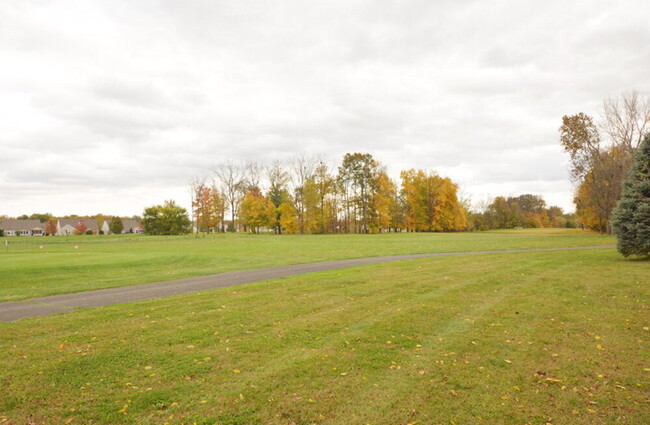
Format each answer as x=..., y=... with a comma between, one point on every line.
x=27, y=271
x=527, y=338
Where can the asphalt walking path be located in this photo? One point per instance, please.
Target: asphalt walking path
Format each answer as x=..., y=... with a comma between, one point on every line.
x=44, y=306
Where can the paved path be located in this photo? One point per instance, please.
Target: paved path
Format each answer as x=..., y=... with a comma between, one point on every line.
x=44, y=306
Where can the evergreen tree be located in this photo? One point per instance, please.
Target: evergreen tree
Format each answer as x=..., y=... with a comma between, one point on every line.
x=631, y=217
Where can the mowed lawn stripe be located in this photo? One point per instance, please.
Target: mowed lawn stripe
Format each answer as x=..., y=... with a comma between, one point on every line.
x=44, y=306
x=83, y=263
x=517, y=338
x=400, y=323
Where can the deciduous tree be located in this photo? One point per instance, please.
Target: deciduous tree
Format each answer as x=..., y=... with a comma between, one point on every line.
x=50, y=227
x=116, y=226
x=278, y=178
x=99, y=220
x=166, y=219
x=256, y=210
x=431, y=203
x=357, y=173
x=382, y=204
x=42, y=217
x=231, y=175
x=288, y=217
x=208, y=207
x=302, y=168
x=597, y=167
x=80, y=228
x=319, y=192
x=253, y=172
x=627, y=120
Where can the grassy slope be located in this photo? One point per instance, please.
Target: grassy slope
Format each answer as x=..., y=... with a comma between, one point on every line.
x=559, y=337
x=102, y=262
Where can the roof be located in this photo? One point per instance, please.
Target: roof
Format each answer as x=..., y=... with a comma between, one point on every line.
x=130, y=223
x=90, y=223
x=20, y=224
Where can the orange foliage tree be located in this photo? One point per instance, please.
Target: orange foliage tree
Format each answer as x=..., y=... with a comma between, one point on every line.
x=208, y=207
x=80, y=228
x=50, y=226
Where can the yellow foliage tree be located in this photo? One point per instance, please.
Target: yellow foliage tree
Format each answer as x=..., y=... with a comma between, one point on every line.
x=288, y=217
x=381, y=203
x=318, y=191
x=256, y=210
x=431, y=203
x=586, y=209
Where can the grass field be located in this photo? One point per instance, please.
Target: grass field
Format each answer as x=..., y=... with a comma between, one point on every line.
x=527, y=338
x=28, y=271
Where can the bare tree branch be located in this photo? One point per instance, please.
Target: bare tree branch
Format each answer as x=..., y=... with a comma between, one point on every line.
x=627, y=120
x=231, y=177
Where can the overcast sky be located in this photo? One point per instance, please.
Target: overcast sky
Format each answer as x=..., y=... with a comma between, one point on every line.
x=112, y=106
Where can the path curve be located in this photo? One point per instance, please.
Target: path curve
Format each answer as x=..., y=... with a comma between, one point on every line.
x=44, y=306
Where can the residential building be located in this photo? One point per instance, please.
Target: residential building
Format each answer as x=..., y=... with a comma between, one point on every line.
x=71, y=226
x=131, y=226
x=21, y=227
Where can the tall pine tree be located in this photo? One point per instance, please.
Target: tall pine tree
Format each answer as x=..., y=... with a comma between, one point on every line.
x=631, y=217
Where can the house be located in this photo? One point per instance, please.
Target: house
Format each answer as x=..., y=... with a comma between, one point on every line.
x=131, y=226
x=71, y=226
x=21, y=227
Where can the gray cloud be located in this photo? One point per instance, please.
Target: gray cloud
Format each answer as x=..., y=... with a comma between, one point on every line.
x=127, y=101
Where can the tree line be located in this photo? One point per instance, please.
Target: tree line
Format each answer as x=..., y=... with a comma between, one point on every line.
x=305, y=195
x=519, y=211
x=358, y=196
